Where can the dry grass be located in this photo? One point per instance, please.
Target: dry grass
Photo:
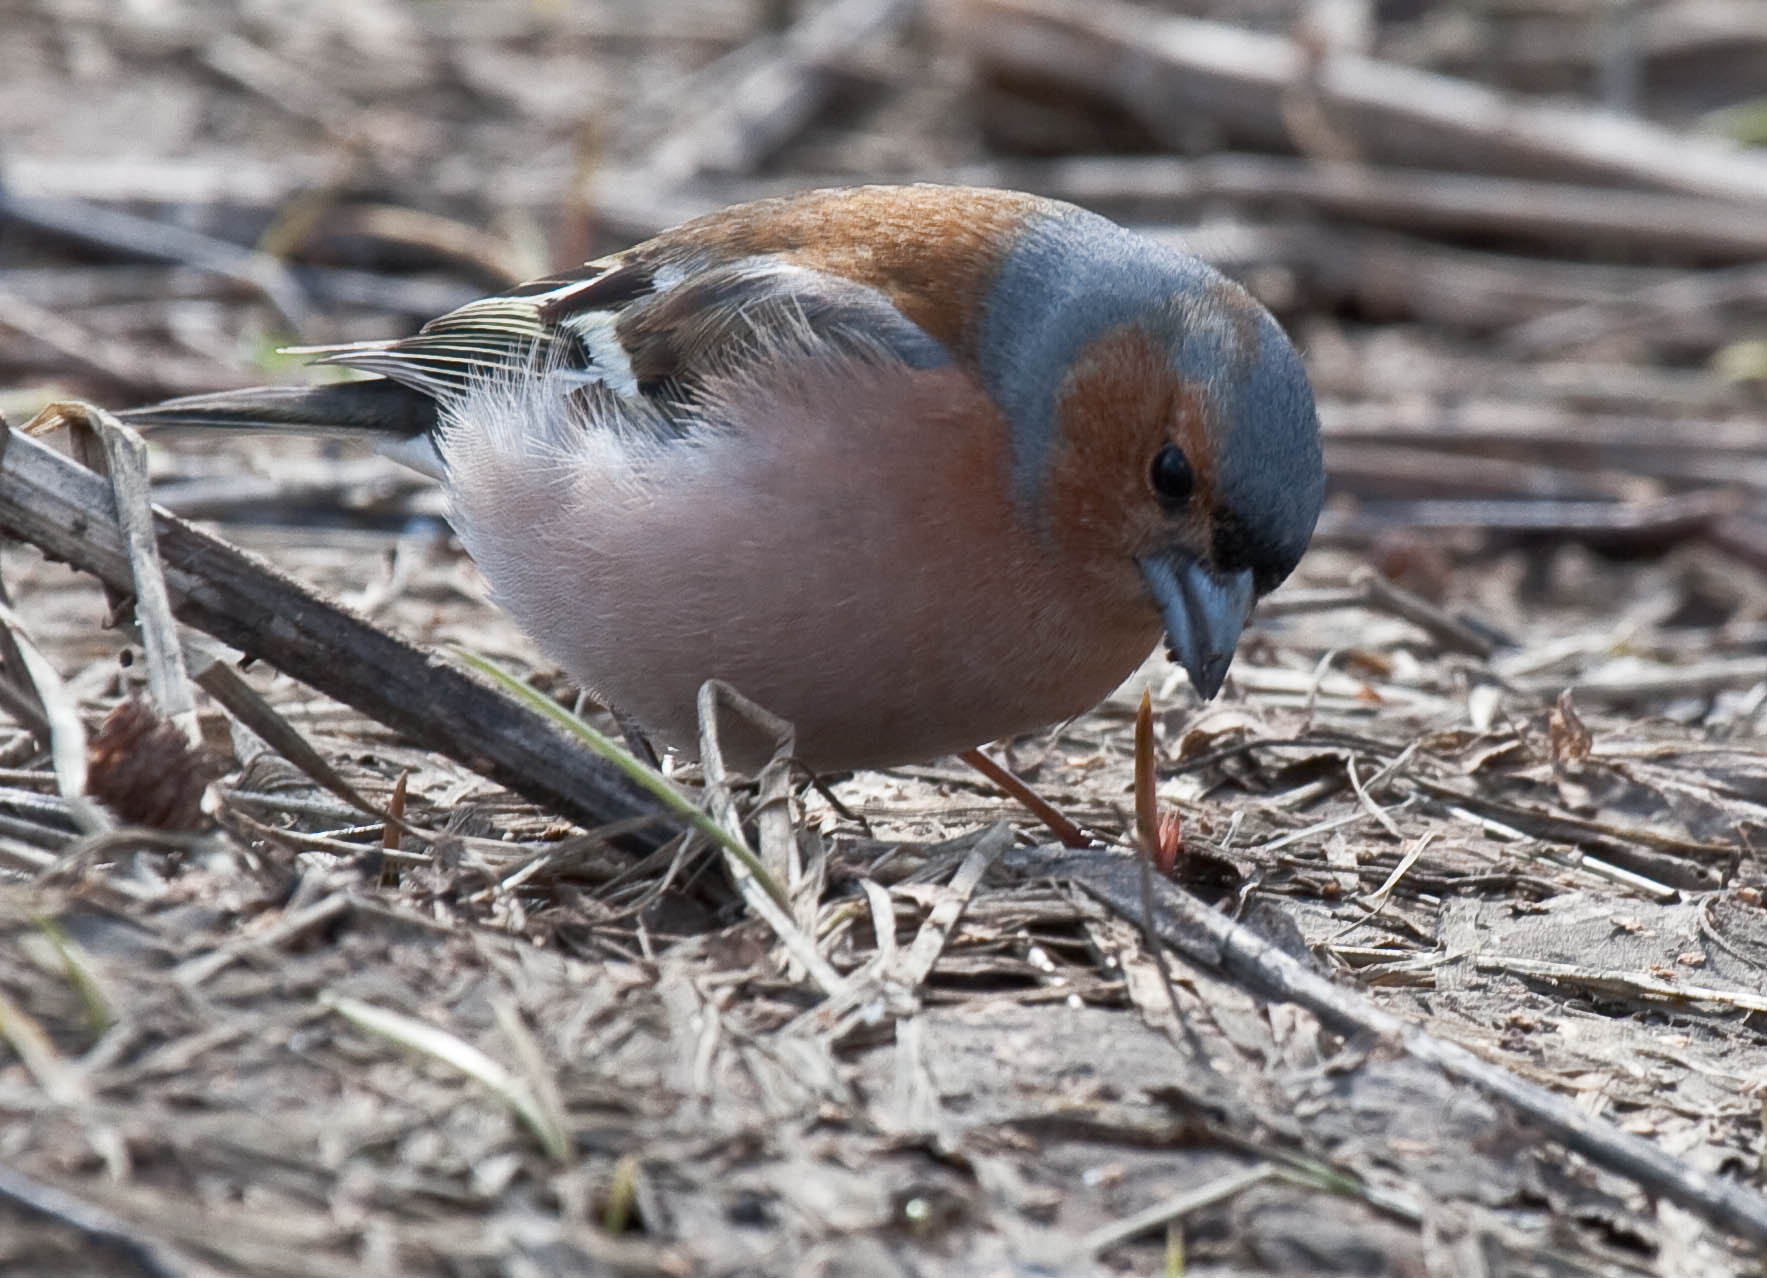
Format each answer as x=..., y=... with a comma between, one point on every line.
x=289, y=1042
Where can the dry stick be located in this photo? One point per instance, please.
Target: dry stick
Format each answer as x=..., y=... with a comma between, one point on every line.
x=1572, y=859
x=54, y=184
x=389, y=832
x=1209, y=938
x=61, y=717
x=1177, y=1207
x=1451, y=633
x=69, y=289
x=1498, y=399
x=483, y=252
x=194, y=971
x=65, y=510
x=1743, y=537
x=907, y=970
x=894, y=973
x=778, y=845
x=1561, y=214
x=1630, y=985
x=1199, y=1061
x=216, y=675
x=1644, y=422
x=1367, y=801
x=1045, y=811
x=18, y=694
x=1543, y=822
x=751, y=102
x=1669, y=520
x=1390, y=274
x=150, y=1255
x=66, y=188
x=163, y=242
x=257, y=70
x=1399, y=276
x=33, y=300
x=1701, y=679
x=61, y=181
x=18, y=855
x=20, y=700
x=336, y=486
x=762, y=887
x=77, y=347
x=1562, y=466
x=915, y=964
x=1682, y=294
x=1368, y=589
x=1401, y=469
x=125, y=465
x=1170, y=71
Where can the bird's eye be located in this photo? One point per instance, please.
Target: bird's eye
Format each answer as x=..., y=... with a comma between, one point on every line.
x=1171, y=475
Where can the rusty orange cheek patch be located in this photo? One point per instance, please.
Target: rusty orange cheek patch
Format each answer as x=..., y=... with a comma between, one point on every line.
x=1115, y=410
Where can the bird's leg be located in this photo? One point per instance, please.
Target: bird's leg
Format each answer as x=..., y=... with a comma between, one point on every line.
x=636, y=741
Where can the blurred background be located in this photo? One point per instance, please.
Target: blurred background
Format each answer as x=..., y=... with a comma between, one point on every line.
x=1521, y=241
x=1522, y=245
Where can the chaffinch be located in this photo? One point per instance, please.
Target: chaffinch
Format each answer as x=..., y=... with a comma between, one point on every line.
x=915, y=467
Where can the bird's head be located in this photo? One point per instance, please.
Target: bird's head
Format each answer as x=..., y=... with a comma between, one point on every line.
x=1162, y=424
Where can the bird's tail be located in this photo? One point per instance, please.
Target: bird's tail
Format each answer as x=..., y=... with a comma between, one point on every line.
x=394, y=418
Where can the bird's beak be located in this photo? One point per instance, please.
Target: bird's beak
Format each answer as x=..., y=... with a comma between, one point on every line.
x=1203, y=611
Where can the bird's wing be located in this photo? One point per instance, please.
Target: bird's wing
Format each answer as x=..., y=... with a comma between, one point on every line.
x=899, y=273
x=646, y=328
x=492, y=335
x=902, y=269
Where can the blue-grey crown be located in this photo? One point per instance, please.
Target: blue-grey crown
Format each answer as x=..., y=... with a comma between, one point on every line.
x=1072, y=276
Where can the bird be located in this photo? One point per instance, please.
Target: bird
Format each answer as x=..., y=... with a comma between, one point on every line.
x=916, y=468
